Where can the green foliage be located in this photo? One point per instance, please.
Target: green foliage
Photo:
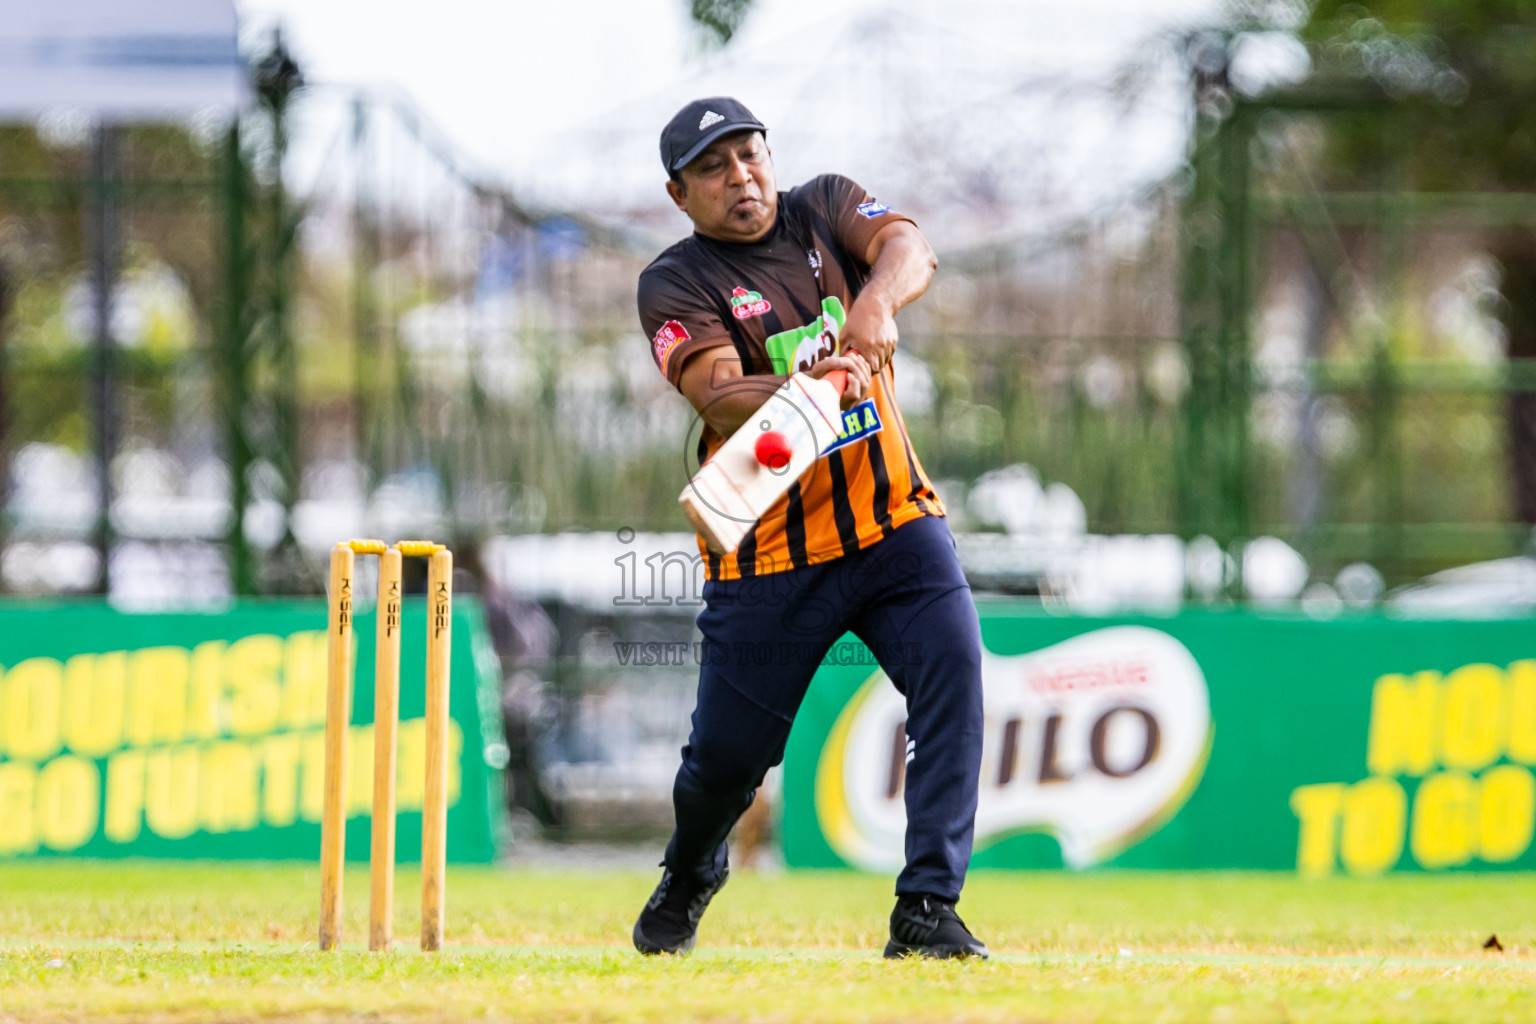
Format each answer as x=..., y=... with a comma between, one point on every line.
x=721, y=18
x=1466, y=68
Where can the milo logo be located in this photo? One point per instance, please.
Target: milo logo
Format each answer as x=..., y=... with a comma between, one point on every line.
x=1097, y=741
x=745, y=304
x=797, y=350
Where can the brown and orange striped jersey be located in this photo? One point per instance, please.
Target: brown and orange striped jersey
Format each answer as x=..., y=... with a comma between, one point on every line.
x=780, y=303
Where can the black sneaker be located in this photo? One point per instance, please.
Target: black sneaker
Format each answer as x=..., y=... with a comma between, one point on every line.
x=929, y=927
x=670, y=920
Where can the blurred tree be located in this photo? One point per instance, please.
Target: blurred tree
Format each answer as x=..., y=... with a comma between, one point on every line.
x=719, y=17
x=1466, y=69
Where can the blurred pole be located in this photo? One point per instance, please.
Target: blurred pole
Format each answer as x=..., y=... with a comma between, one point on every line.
x=1516, y=253
x=1389, y=543
x=1235, y=389
x=1307, y=486
x=5, y=411
x=1216, y=291
x=277, y=78
x=104, y=245
x=364, y=317
x=234, y=377
x=271, y=415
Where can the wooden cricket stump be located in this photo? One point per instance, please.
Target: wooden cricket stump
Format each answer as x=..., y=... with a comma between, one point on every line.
x=434, y=811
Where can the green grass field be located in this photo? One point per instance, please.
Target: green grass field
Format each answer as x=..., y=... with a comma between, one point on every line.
x=201, y=942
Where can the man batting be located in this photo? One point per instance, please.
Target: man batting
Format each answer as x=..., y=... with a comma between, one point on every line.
x=773, y=283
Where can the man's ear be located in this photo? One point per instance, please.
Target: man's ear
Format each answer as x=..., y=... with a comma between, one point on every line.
x=679, y=193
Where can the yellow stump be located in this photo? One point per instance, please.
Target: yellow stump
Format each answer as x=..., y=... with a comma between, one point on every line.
x=337, y=714
x=434, y=811
x=434, y=818
x=386, y=719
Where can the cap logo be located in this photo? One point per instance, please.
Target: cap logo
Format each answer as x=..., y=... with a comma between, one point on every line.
x=709, y=118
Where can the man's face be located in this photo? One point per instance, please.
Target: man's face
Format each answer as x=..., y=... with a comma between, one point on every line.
x=728, y=191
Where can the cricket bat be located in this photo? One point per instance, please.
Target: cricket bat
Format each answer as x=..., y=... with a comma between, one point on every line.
x=764, y=458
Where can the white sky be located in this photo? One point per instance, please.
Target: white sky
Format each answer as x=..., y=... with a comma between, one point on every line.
x=563, y=101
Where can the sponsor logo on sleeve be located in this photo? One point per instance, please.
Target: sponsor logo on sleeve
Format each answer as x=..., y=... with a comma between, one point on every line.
x=873, y=208
x=745, y=304
x=666, y=340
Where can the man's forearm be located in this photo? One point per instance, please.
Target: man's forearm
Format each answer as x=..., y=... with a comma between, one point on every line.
x=901, y=265
x=730, y=400
x=901, y=271
x=734, y=401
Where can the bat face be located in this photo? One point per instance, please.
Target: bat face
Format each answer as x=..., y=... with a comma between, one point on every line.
x=734, y=488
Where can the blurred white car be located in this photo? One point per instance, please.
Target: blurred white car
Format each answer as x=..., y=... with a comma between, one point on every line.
x=1500, y=588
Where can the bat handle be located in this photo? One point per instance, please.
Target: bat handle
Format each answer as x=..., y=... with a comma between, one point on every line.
x=838, y=378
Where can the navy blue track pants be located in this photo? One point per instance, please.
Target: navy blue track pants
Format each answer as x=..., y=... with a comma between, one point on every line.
x=764, y=638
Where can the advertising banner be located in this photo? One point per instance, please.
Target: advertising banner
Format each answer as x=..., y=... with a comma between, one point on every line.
x=1210, y=739
x=202, y=735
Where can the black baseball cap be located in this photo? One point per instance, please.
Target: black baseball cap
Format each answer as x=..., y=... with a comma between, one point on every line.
x=700, y=123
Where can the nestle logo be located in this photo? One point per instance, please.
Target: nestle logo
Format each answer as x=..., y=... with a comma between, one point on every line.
x=1103, y=675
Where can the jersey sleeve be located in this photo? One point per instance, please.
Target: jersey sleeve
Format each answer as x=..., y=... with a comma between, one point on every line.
x=678, y=321
x=856, y=216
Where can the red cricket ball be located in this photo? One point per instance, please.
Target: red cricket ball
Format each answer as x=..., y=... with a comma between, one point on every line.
x=773, y=450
